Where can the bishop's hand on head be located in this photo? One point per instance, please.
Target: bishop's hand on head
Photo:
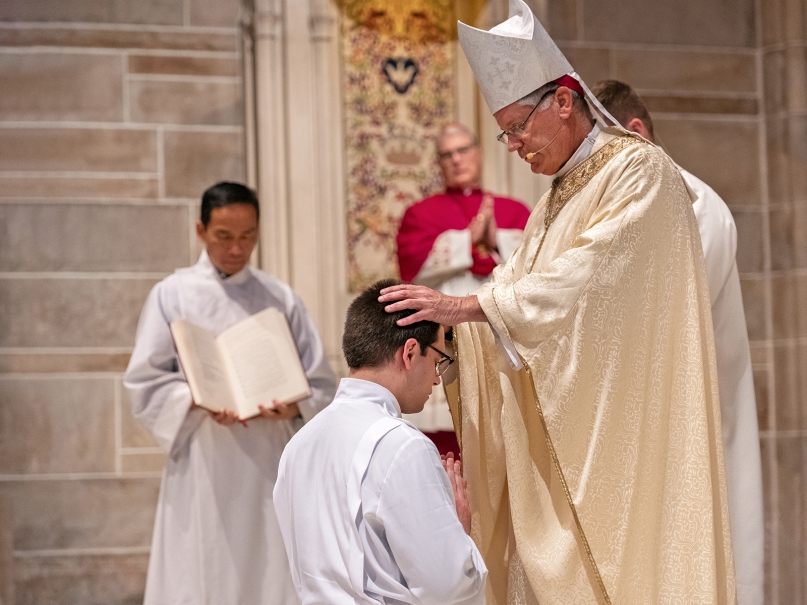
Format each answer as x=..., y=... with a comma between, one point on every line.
x=430, y=305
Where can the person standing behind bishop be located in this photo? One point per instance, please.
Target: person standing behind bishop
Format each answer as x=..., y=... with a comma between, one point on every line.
x=452, y=241
x=216, y=538
x=738, y=410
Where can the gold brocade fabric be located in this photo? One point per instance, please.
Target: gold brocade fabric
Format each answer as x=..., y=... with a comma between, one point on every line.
x=595, y=473
x=563, y=189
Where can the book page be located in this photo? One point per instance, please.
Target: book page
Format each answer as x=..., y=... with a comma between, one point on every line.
x=263, y=362
x=202, y=364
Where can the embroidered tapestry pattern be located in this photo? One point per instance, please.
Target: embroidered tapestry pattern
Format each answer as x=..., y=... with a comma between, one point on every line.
x=399, y=72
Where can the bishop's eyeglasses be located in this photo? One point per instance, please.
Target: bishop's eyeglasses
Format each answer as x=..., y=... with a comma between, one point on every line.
x=445, y=360
x=518, y=130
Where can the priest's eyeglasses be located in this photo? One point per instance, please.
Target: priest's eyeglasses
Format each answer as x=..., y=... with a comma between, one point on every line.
x=445, y=360
x=518, y=130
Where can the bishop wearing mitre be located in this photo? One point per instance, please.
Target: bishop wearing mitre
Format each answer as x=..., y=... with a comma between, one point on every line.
x=587, y=401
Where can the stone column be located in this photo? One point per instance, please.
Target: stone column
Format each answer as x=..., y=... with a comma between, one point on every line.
x=270, y=121
x=783, y=42
x=6, y=553
x=299, y=156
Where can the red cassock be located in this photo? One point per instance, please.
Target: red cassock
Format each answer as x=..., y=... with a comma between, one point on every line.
x=424, y=221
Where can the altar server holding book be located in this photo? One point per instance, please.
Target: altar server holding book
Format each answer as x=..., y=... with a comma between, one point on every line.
x=216, y=538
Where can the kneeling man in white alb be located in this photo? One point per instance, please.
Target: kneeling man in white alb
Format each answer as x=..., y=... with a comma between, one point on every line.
x=368, y=511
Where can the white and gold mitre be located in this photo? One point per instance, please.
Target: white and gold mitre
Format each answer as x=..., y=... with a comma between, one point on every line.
x=517, y=57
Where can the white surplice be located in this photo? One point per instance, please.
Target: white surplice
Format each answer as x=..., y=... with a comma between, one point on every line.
x=367, y=512
x=737, y=400
x=448, y=267
x=216, y=539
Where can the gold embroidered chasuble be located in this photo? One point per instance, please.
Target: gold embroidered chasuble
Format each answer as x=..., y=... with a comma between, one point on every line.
x=595, y=473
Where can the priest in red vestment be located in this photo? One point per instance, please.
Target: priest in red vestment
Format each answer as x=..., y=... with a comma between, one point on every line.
x=452, y=241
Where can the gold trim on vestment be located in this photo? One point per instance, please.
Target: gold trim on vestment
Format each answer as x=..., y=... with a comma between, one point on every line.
x=566, y=187
x=453, y=390
x=551, y=447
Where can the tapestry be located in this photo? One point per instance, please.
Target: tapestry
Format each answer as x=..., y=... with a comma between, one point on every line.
x=399, y=73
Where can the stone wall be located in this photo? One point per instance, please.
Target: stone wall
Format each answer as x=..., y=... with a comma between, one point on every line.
x=783, y=55
x=114, y=117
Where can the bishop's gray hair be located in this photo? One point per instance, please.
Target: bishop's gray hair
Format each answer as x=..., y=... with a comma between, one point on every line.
x=537, y=96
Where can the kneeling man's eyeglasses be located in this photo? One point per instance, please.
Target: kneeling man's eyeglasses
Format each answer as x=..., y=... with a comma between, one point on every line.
x=445, y=361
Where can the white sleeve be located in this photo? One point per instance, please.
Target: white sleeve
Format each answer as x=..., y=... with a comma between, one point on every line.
x=158, y=393
x=507, y=240
x=507, y=348
x=718, y=233
x=315, y=361
x=438, y=560
x=450, y=254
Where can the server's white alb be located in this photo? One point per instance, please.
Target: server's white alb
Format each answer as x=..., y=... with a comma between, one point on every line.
x=367, y=512
x=738, y=410
x=216, y=538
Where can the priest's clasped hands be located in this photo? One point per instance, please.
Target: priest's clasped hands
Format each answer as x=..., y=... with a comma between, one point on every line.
x=483, y=226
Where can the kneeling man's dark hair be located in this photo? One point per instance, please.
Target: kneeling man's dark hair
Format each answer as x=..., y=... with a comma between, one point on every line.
x=223, y=194
x=371, y=335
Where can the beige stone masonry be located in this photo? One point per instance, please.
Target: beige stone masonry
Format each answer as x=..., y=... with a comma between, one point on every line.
x=77, y=149
x=76, y=361
x=89, y=579
x=70, y=312
x=185, y=66
x=114, y=117
x=141, y=38
x=193, y=158
x=78, y=513
x=78, y=187
x=142, y=12
x=177, y=102
x=46, y=86
x=57, y=425
x=78, y=237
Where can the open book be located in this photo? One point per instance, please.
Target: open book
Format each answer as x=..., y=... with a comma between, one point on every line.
x=251, y=363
